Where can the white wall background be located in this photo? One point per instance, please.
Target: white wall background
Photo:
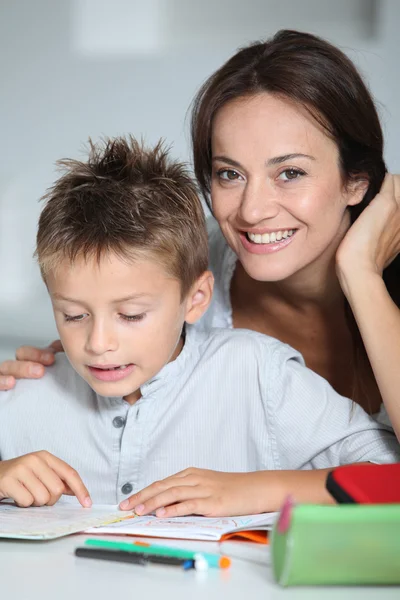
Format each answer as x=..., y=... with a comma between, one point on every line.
x=74, y=68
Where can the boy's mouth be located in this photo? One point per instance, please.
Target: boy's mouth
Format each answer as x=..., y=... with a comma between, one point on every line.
x=111, y=372
x=108, y=367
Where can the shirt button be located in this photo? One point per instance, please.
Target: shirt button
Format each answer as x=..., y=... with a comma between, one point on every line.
x=126, y=488
x=118, y=422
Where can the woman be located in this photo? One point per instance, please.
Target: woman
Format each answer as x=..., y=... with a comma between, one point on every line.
x=288, y=146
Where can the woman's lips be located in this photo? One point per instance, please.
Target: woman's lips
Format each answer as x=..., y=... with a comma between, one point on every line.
x=269, y=248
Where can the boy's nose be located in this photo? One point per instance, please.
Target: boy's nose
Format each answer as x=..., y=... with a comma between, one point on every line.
x=101, y=340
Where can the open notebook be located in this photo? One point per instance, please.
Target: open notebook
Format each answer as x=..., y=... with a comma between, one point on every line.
x=192, y=528
x=64, y=518
x=49, y=522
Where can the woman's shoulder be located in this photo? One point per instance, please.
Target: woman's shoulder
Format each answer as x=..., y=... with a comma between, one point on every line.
x=382, y=417
x=218, y=247
x=222, y=263
x=222, y=260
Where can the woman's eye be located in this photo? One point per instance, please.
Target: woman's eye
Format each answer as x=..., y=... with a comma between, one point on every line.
x=133, y=317
x=228, y=174
x=290, y=174
x=70, y=318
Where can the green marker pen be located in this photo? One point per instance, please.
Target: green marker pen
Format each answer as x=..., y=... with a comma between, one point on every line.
x=213, y=560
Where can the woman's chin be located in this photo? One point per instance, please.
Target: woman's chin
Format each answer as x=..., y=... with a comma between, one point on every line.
x=266, y=274
x=267, y=268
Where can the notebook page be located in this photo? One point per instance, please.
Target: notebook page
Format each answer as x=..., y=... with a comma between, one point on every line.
x=48, y=522
x=189, y=528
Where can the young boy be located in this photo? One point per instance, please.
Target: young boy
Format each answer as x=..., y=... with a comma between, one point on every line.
x=141, y=394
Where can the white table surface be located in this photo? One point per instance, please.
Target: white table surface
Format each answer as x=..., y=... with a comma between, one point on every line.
x=50, y=571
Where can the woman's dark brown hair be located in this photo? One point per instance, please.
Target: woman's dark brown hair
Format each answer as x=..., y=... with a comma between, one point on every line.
x=311, y=72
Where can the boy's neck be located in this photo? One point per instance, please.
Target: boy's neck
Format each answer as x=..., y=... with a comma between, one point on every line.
x=137, y=394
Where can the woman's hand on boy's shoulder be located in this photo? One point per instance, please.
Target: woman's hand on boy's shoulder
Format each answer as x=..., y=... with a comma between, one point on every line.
x=29, y=363
x=200, y=492
x=39, y=479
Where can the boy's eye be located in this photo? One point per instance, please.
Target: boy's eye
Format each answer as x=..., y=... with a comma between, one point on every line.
x=228, y=174
x=290, y=174
x=70, y=318
x=133, y=317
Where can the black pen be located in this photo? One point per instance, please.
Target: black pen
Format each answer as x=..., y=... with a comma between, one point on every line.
x=133, y=558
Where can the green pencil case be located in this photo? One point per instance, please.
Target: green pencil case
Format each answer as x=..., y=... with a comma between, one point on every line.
x=347, y=544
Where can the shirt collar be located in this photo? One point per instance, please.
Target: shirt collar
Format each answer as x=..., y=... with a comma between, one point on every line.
x=172, y=370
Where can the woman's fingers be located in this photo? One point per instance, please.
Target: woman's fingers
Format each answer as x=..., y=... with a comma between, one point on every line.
x=391, y=187
x=30, y=363
x=388, y=185
x=6, y=382
x=21, y=369
x=396, y=184
x=43, y=356
x=56, y=346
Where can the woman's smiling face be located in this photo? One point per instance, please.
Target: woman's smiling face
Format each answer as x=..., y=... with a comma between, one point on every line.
x=277, y=189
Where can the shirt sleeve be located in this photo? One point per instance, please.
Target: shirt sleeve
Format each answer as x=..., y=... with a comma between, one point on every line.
x=314, y=426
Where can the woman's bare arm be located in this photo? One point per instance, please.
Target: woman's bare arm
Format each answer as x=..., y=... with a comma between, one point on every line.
x=378, y=320
x=371, y=244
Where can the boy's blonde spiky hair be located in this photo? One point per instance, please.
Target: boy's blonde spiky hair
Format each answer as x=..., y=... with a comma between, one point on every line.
x=129, y=200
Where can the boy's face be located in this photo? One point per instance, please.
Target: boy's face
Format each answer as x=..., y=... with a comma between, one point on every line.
x=119, y=322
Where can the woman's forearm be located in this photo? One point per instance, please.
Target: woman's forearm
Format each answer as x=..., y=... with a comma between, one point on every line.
x=378, y=319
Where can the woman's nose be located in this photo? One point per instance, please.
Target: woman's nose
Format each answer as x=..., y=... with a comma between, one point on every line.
x=259, y=202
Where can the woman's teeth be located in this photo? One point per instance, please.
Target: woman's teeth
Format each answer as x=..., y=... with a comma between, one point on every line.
x=270, y=238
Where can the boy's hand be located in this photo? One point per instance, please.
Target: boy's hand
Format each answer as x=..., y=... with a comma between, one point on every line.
x=30, y=363
x=199, y=492
x=39, y=479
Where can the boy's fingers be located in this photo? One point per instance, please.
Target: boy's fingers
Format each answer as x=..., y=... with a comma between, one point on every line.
x=35, y=487
x=151, y=491
x=19, y=493
x=21, y=369
x=182, y=509
x=75, y=487
x=171, y=496
x=185, y=477
x=6, y=383
x=71, y=478
x=54, y=485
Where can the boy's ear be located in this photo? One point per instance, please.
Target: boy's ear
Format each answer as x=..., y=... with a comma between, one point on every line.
x=356, y=189
x=199, y=297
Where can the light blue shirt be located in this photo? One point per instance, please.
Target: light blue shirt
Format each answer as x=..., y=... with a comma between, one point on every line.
x=219, y=314
x=233, y=400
